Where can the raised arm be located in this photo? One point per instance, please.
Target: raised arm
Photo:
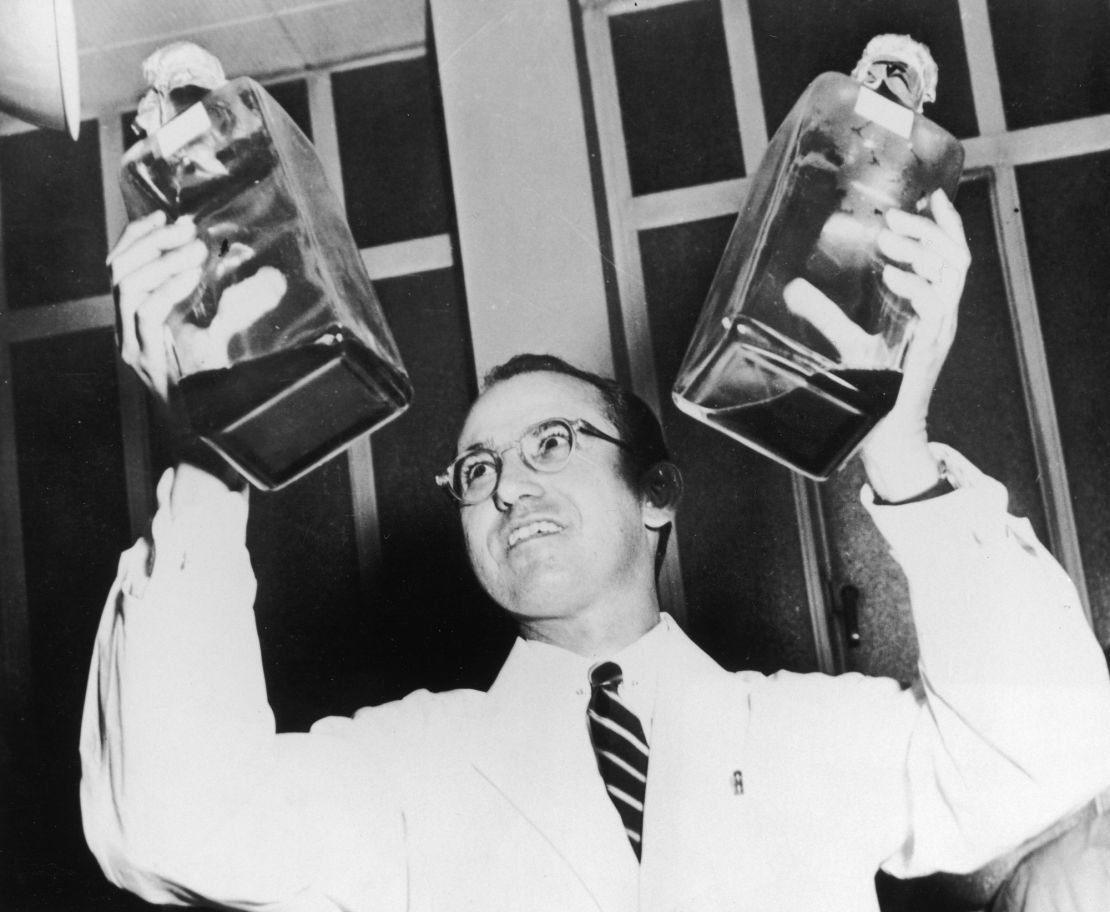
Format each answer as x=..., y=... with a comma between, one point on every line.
x=187, y=793
x=1013, y=726
x=929, y=259
x=1014, y=729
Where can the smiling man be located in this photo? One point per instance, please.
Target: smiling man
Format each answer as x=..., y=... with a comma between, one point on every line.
x=612, y=765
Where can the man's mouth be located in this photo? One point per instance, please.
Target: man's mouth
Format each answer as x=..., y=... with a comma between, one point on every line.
x=532, y=530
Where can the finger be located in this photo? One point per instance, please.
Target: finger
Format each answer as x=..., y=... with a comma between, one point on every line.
x=947, y=218
x=134, y=231
x=150, y=246
x=907, y=285
x=132, y=293
x=158, y=305
x=850, y=341
x=155, y=360
x=945, y=240
x=949, y=242
x=141, y=326
x=930, y=306
x=947, y=276
x=163, y=489
x=923, y=260
x=155, y=347
x=151, y=274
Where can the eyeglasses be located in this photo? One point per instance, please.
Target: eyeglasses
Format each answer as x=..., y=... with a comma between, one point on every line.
x=544, y=447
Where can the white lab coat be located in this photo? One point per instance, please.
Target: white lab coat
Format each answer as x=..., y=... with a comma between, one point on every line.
x=764, y=793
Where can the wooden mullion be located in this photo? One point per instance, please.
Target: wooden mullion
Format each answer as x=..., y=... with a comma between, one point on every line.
x=360, y=458
x=628, y=266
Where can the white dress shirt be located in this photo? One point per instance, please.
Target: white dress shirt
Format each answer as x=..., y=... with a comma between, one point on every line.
x=569, y=673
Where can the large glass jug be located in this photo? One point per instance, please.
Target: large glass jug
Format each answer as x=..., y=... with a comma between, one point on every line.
x=284, y=371
x=792, y=377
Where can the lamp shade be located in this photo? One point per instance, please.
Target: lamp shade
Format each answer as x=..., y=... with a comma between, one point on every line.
x=38, y=63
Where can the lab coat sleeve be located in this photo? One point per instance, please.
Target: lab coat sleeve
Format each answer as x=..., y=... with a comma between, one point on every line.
x=1013, y=729
x=187, y=793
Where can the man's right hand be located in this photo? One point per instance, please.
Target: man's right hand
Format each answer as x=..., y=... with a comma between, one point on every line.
x=154, y=266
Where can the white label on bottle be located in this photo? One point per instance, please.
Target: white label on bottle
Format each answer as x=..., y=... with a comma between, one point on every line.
x=884, y=112
x=183, y=129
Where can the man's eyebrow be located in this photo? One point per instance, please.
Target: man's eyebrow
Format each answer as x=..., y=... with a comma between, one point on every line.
x=488, y=442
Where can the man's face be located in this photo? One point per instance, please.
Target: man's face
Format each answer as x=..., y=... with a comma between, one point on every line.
x=555, y=546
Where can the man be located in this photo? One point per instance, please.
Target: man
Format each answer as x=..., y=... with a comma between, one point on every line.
x=612, y=765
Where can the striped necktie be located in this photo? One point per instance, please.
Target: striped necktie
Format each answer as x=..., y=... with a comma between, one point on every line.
x=621, y=748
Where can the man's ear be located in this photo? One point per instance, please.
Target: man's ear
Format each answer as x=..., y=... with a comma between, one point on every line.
x=661, y=486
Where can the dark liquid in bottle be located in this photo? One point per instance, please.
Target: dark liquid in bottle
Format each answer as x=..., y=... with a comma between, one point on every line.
x=815, y=426
x=331, y=391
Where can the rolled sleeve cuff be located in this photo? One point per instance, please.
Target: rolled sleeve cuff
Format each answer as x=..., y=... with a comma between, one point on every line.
x=918, y=531
x=210, y=533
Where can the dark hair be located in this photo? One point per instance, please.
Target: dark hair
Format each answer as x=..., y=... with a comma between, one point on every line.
x=635, y=422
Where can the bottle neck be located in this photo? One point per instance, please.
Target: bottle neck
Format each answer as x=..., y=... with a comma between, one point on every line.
x=897, y=81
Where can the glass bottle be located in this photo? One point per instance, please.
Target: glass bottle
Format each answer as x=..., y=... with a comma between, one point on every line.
x=805, y=382
x=283, y=371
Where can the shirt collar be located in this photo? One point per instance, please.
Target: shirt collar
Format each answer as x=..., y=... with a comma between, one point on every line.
x=566, y=672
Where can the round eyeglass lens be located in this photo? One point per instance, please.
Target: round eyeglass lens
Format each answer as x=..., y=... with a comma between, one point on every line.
x=475, y=476
x=547, y=446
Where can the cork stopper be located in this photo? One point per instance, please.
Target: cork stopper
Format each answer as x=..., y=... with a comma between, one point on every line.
x=903, y=67
x=177, y=74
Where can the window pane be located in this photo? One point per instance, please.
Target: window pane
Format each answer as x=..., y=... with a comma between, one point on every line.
x=797, y=41
x=434, y=626
x=1067, y=227
x=1052, y=59
x=309, y=607
x=293, y=97
x=392, y=149
x=737, y=533
x=74, y=523
x=676, y=96
x=53, y=216
x=130, y=130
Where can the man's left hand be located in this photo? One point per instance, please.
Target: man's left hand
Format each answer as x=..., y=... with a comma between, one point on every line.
x=929, y=262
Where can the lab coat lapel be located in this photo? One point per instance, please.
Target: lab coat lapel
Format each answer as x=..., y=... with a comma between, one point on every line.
x=532, y=754
x=693, y=821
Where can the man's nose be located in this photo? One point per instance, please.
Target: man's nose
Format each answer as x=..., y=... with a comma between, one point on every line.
x=517, y=480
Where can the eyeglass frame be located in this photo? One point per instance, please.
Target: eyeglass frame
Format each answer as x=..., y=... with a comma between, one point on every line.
x=575, y=425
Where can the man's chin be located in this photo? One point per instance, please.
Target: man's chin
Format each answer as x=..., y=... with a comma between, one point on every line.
x=544, y=592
